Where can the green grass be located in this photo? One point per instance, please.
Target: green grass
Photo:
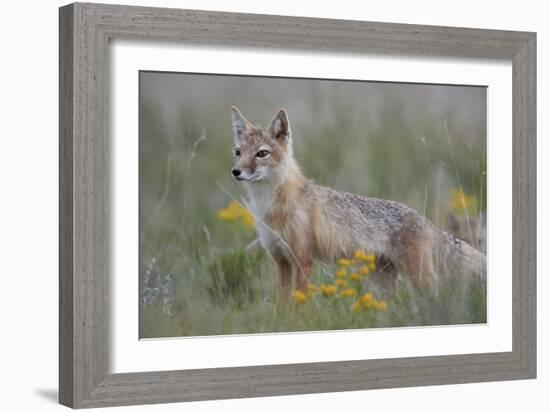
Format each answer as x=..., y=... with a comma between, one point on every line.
x=233, y=292
x=202, y=276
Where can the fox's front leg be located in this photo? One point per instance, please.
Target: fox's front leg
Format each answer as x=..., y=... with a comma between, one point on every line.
x=303, y=270
x=284, y=278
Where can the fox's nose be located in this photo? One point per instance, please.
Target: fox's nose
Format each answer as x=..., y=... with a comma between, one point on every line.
x=235, y=172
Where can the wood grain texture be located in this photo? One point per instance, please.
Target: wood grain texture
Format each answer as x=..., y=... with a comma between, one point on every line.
x=66, y=229
x=85, y=31
x=524, y=228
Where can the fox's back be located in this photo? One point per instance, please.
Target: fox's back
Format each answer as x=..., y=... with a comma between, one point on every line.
x=345, y=222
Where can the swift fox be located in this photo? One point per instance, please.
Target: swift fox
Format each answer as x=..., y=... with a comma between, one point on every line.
x=299, y=221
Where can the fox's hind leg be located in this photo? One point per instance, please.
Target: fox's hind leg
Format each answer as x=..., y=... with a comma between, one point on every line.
x=423, y=275
x=418, y=263
x=414, y=247
x=386, y=276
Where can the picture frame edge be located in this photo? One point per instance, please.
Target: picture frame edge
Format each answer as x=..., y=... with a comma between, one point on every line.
x=84, y=379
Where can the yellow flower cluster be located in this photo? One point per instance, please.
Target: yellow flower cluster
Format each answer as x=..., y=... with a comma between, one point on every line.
x=369, y=302
x=348, y=293
x=460, y=202
x=235, y=212
x=355, y=276
x=311, y=289
x=341, y=273
x=300, y=297
x=362, y=264
x=349, y=283
x=344, y=262
x=327, y=290
x=341, y=282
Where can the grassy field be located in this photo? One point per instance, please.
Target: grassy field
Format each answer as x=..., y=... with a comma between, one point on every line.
x=202, y=271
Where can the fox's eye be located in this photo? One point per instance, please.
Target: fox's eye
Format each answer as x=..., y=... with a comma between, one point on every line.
x=262, y=153
x=237, y=152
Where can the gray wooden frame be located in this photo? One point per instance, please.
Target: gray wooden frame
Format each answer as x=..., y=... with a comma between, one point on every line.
x=85, y=31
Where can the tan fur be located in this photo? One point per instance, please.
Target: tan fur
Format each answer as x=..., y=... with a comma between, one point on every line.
x=299, y=221
x=415, y=257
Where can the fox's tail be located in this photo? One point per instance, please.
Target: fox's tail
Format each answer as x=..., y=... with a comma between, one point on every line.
x=460, y=257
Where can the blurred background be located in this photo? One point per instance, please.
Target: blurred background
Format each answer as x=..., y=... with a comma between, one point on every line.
x=201, y=272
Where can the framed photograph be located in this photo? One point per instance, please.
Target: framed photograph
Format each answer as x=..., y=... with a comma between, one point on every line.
x=256, y=205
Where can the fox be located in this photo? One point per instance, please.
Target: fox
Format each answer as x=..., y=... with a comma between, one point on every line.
x=299, y=222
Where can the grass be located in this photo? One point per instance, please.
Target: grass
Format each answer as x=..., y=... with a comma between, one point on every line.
x=233, y=293
x=203, y=274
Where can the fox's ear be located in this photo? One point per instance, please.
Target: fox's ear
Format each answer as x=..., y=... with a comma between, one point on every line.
x=240, y=124
x=280, y=126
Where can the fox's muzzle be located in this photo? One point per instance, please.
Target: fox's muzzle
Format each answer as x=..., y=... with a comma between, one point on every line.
x=245, y=174
x=237, y=174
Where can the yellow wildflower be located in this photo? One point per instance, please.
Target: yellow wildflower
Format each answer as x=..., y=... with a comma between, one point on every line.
x=225, y=215
x=371, y=258
x=348, y=293
x=364, y=270
x=311, y=289
x=341, y=273
x=380, y=305
x=248, y=219
x=360, y=255
x=327, y=290
x=460, y=202
x=372, y=267
x=344, y=262
x=367, y=299
x=368, y=302
x=355, y=276
x=235, y=212
x=341, y=282
x=299, y=297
